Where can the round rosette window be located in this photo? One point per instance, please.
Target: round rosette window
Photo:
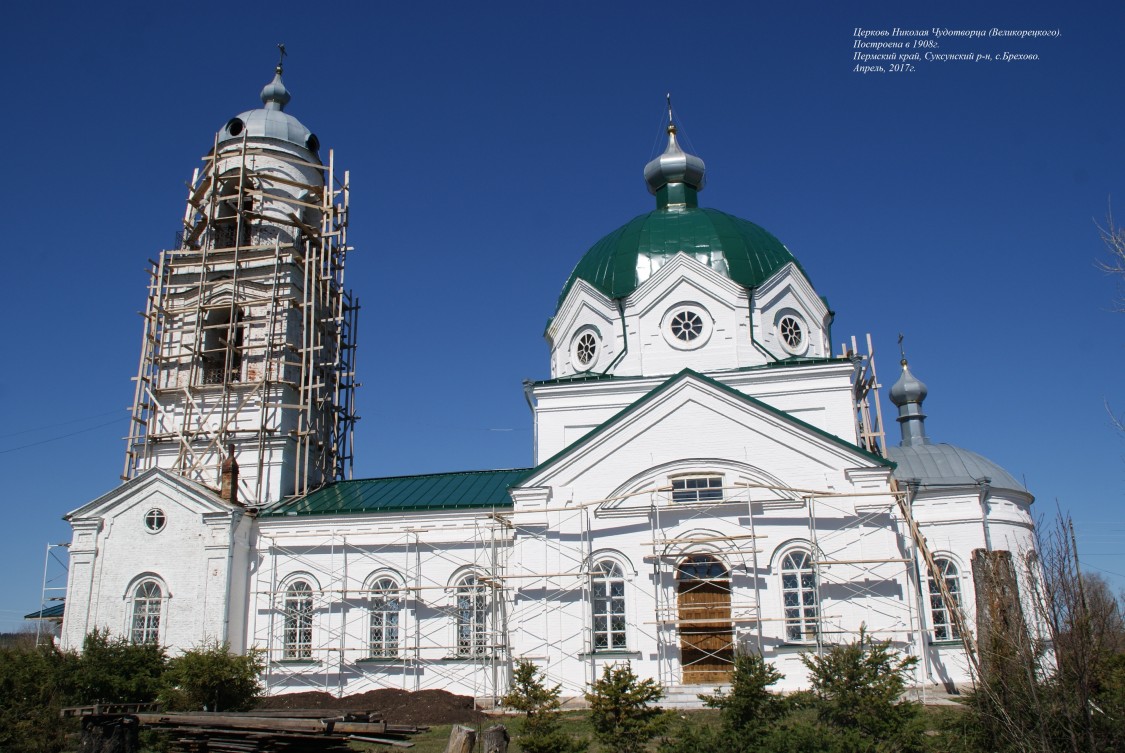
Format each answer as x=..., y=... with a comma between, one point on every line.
x=155, y=520
x=585, y=349
x=793, y=334
x=686, y=326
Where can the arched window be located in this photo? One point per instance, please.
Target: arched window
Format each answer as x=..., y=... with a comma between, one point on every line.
x=386, y=605
x=945, y=629
x=298, y=609
x=222, y=345
x=798, y=595
x=472, y=616
x=147, y=602
x=607, y=587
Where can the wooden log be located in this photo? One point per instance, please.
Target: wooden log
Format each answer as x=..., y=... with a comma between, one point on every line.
x=495, y=739
x=380, y=741
x=462, y=739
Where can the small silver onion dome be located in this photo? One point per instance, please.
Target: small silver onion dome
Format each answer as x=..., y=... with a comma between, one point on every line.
x=908, y=393
x=908, y=388
x=674, y=166
x=274, y=94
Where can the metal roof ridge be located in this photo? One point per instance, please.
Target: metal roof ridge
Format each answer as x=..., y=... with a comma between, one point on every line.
x=424, y=475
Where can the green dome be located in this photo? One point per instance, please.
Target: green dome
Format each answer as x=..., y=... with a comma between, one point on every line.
x=735, y=248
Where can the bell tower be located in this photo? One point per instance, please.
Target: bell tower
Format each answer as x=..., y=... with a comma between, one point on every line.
x=248, y=350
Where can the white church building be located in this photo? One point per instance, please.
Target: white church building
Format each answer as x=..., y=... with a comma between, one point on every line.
x=708, y=477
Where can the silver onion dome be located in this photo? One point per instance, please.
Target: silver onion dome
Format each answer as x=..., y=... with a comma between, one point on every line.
x=674, y=166
x=908, y=393
x=908, y=388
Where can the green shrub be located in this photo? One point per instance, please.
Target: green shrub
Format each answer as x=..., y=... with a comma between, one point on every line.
x=857, y=689
x=541, y=728
x=113, y=670
x=748, y=713
x=620, y=713
x=211, y=678
x=749, y=706
x=32, y=690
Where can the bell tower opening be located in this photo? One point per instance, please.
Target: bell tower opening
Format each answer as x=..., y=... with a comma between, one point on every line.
x=233, y=208
x=223, y=339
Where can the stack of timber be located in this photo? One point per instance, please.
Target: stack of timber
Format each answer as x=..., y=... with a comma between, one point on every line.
x=273, y=732
x=250, y=732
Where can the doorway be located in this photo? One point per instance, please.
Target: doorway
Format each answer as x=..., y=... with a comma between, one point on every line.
x=706, y=632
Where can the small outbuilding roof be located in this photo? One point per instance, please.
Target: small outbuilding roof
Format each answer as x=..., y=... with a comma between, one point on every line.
x=54, y=612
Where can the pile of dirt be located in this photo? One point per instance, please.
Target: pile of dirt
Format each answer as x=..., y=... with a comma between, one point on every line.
x=424, y=707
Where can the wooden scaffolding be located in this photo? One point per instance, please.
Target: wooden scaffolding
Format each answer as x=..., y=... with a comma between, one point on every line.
x=249, y=333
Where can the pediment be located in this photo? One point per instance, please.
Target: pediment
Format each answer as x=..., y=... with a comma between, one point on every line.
x=150, y=488
x=684, y=272
x=583, y=299
x=789, y=287
x=691, y=415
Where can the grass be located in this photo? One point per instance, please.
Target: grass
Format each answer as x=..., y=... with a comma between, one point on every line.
x=577, y=723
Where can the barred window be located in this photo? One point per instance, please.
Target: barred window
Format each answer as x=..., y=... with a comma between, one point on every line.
x=386, y=606
x=799, y=597
x=697, y=489
x=607, y=584
x=471, y=612
x=297, y=640
x=147, y=601
x=945, y=629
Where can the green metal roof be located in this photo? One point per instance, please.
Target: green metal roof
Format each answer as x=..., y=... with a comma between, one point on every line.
x=733, y=247
x=436, y=491
x=53, y=612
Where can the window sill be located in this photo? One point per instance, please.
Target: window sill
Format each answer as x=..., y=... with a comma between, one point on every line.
x=298, y=662
x=947, y=642
x=615, y=654
x=381, y=660
x=790, y=647
x=472, y=658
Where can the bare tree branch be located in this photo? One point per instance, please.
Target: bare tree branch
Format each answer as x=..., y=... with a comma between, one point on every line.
x=1113, y=237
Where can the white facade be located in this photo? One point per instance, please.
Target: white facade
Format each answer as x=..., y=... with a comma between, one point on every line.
x=700, y=489
x=166, y=541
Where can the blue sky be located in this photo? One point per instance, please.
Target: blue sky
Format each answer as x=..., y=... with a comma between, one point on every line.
x=491, y=144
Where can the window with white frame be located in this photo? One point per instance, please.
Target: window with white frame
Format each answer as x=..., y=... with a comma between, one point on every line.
x=584, y=349
x=298, y=611
x=697, y=489
x=155, y=520
x=471, y=614
x=798, y=595
x=386, y=606
x=148, y=598
x=686, y=326
x=944, y=628
x=791, y=332
x=607, y=588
